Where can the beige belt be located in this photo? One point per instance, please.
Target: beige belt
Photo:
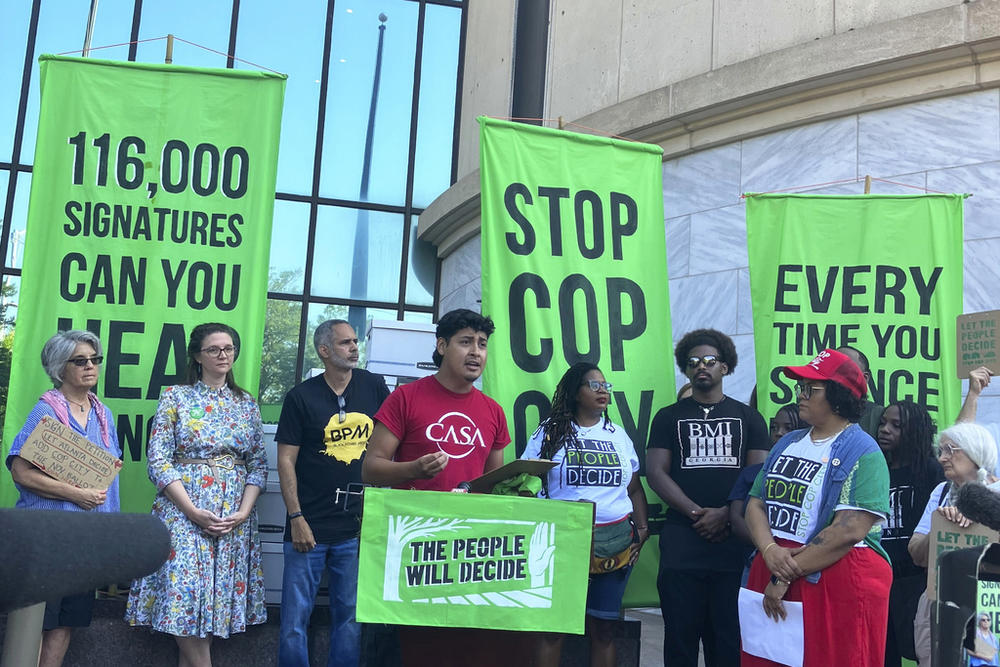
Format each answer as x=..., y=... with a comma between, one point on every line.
x=226, y=462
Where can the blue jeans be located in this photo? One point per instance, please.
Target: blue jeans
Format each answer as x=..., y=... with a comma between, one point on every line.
x=300, y=583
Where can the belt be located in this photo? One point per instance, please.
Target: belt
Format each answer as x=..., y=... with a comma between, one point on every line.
x=226, y=462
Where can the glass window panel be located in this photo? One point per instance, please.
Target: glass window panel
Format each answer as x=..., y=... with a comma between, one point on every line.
x=290, y=41
x=357, y=254
x=18, y=219
x=289, y=235
x=13, y=41
x=61, y=28
x=205, y=23
x=281, y=343
x=436, y=117
x=352, y=68
x=411, y=316
x=421, y=270
x=9, y=289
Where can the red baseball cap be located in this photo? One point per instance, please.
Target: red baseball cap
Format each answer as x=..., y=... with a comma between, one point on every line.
x=834, y=366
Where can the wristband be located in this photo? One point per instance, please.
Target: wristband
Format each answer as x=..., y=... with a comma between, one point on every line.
x=294, y=515
x=768, y=547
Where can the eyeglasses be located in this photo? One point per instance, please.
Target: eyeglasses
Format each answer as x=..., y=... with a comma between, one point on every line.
x=597, y=385
x=342, y=405
x=948, y=450
x=806, y=390
x=709, y=360
x=82, y=362
x=216, y=351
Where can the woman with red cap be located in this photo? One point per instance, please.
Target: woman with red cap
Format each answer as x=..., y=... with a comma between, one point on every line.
x=815, y=514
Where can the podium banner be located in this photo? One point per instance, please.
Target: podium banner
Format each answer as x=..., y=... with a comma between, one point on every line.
x=474, y=561
x=150, y=212
x=881, y=273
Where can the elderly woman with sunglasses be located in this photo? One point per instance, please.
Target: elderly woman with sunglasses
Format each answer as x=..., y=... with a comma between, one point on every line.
x=967, y=453
x=206, y=457
x=815, y=515
x=597, y=463
x=72, y=360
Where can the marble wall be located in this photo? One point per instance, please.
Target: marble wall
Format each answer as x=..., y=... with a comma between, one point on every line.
x=948, y=145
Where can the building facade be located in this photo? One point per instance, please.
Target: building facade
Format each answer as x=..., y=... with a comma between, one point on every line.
x=759, y=96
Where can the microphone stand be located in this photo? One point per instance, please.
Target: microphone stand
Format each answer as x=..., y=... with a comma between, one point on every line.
x=23, y=641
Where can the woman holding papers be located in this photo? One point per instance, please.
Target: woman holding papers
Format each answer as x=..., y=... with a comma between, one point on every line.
x=986, y=645
x=596, y=463
x=207, y=459
x=815, y=515
x=72, y=360
x=967, y=453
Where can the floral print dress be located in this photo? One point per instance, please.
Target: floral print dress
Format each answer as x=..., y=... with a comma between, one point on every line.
x=207, y=586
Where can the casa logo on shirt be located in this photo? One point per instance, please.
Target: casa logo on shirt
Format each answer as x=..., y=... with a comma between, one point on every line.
x=455, y=434
x=346, y=441
x=710, y=443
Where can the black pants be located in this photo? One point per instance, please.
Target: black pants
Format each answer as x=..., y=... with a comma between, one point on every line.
x=700, y=606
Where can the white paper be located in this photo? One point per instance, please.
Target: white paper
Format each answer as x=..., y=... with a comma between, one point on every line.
x=780, y=641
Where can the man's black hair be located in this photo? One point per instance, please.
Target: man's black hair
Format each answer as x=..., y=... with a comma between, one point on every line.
x=865, y=367
x=717, y=339
x=454, y=321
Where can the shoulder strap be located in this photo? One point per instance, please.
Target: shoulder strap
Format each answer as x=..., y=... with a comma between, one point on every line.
x=944, y=493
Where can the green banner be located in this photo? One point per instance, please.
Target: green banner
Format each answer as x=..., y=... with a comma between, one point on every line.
x=460, y=560
x=574, y=268
x=881, y=273
x=151, y=200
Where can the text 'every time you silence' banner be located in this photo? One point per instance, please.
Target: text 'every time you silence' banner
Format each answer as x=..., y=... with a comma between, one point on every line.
x=574, y=269
x=881, y=273
x=151, y=202
x=460, y=560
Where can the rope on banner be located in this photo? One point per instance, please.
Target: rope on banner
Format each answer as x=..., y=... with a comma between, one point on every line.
x=175, y=37
x=561, y=124
x=867, y=181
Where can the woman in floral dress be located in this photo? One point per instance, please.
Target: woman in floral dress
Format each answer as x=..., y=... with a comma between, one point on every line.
x=207, y=460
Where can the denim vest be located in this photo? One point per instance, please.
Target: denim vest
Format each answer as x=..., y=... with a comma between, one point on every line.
x=847, y=449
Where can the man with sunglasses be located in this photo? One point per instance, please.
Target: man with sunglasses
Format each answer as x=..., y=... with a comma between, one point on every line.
x=323, y=433
x=696, y=450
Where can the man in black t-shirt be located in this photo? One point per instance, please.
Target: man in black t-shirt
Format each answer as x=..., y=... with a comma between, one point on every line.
x=696, y=450
x=322, y=435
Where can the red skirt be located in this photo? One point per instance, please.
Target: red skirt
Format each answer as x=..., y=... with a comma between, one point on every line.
x=845, y=614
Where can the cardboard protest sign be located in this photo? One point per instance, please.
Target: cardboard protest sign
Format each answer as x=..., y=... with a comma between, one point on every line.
x=152, y=194
x=977, y=336
x=946, y=536
x=69, y=457
x=476, y=561
x=881, y=273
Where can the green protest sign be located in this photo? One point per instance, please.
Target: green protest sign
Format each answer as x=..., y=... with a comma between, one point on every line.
x=150, y=212
x=475, y=561
x=881, y=273
x=574, y=269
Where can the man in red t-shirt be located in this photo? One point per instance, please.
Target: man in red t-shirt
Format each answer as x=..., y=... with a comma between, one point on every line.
x=432, y=435
x=439, y=431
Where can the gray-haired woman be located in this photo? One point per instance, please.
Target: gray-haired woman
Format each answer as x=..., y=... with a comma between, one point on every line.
x=72, y=360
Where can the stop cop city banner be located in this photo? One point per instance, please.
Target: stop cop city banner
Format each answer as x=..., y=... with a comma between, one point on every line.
x=150, y=212
x=474, y=560
x=881, y=273
x=574, y=268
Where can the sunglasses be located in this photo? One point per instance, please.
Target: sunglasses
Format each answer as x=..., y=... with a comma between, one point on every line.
x=710, y=360
x=806, y=390
x=597, y=385
x=82, y=362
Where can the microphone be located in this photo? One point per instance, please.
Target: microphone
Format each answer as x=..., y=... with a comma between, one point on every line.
x=46, y=554
x=979, y=504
